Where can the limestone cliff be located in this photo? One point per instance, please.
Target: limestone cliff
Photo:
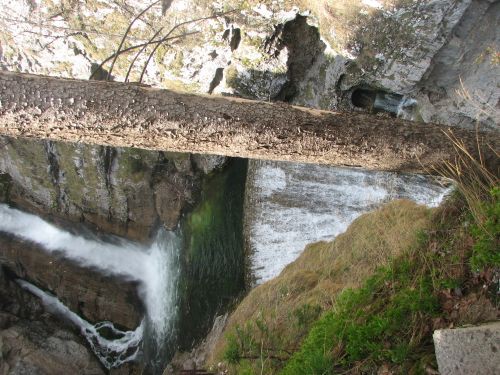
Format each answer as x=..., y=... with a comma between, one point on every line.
x=414, y=54
x=119, y=191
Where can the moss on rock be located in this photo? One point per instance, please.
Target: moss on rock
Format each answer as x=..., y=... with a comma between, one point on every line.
x=213, y=259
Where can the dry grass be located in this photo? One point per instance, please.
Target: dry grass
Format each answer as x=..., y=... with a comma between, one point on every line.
x=326, y=268
x=474, y=177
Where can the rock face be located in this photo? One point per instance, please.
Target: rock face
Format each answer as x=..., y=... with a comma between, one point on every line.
x=119, y=191
x=31, y=342
x=422, y=51
x=90, y=294
x=472, y=350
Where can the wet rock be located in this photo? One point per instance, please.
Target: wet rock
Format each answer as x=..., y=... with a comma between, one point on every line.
x=31, y=342
x=90, y=294
x=128, y=368
x=108, y=190
x=199, y=355
x=169, y=201
x=471, y=350
x=36, y=348
x=209, y=163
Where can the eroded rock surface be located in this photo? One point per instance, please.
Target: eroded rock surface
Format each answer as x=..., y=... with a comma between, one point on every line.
x=113, y=190
x=469, y=350
x=92, y=295
x=31, y=342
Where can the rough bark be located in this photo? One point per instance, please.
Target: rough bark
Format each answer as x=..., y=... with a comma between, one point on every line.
x=117, y=114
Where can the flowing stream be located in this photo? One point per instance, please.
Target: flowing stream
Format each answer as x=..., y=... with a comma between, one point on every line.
x=155, y=267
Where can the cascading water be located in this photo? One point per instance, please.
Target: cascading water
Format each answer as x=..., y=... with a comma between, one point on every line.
x=155, y=267
x=290, y=205
x=111, y=352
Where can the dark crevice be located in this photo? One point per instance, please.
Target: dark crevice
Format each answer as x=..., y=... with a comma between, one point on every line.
x=108, y=158
x=53, y=169
x=235, y=39
x=377, y=101
x=219, y=73
x=362, y=98
x=304, y=45
x=98, y=73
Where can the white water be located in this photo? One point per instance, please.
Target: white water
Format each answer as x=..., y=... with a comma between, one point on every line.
x=290, y=205
x=155, y=267
x=112, y=353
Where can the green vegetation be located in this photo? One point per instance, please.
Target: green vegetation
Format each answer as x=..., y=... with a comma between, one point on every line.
x=370, y=300
x=371, y=325
x=485, y=252
x=272, y=321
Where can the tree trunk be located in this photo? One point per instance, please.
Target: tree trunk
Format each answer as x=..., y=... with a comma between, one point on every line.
x=128, y=115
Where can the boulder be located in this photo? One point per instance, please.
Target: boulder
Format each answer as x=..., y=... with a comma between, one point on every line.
x=471, y=350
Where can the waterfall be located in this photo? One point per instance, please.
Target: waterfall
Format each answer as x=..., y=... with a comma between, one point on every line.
x=111, y=352
x=290, y=205
x=155, y=267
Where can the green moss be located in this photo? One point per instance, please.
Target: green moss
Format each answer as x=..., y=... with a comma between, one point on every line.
x=135, y=164
x=79, y=188
x=160, y=54
x=179, y=85
x=213, y=257
x=177, y=64
x=309, y=91
x=485, y=252
x=30, y=158
x=232, y=77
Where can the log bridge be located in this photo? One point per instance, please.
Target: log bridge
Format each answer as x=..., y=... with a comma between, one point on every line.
x=128, y=115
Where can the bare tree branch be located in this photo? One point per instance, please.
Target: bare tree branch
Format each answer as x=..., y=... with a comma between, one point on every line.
x=131, y=48
x=126, y=34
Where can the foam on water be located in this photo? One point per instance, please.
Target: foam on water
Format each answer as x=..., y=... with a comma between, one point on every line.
x=155, y=267
x=112, y=353
x=290, y=205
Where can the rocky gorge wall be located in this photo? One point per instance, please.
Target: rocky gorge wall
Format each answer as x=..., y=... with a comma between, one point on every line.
x=317, y=54
x=118, y=191
x=99, y=194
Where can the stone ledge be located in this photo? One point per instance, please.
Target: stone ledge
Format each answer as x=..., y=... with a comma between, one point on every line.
x=471, y=350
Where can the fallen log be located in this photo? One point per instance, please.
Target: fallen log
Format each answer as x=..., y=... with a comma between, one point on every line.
x=128, y=115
